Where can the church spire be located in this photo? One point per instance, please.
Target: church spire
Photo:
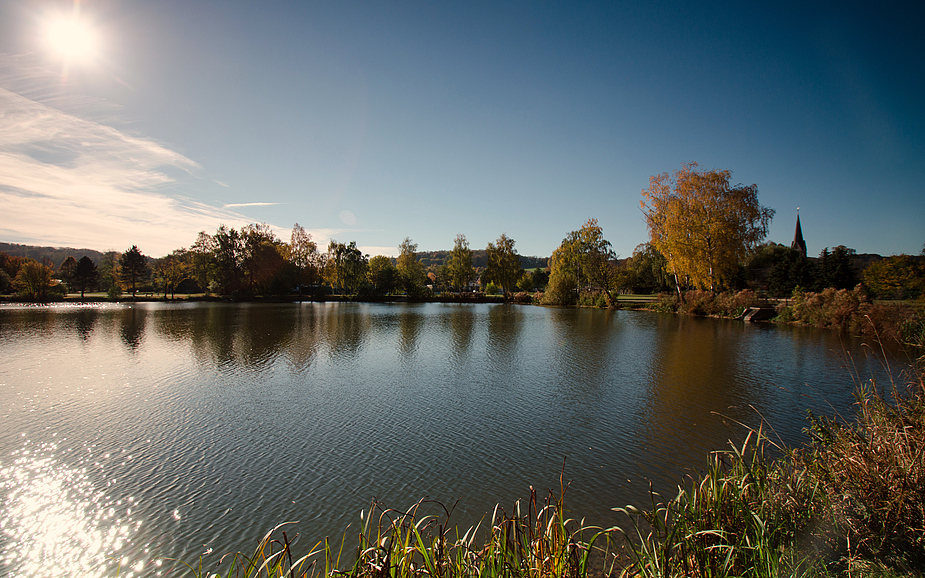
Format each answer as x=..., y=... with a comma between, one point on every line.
x=798, y=243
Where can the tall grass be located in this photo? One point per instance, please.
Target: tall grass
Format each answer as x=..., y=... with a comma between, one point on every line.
x=536, y=540
x=851, y=502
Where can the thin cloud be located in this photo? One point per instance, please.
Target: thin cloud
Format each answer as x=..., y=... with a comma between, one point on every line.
x=66, y=180
x=250, y=205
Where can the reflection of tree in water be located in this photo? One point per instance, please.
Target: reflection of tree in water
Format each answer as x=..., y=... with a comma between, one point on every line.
x=504, y=325
x=345, y=333
x=583, y=349
x=306, y=333
x=247, y=335
x=266, y=332
x=690, y=390
x=84, y=320
x=462, y=323
x=132, y=327
x=409, y=329
x=32, y=320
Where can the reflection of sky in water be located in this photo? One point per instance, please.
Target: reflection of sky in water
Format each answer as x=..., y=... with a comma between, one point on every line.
x=55, y=522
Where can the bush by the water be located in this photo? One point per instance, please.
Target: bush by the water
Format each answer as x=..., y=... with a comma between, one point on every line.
x=697, y=302
x=854, y=312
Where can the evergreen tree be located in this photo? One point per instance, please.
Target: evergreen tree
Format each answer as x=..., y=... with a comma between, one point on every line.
x=133, y=267
x=85, y=276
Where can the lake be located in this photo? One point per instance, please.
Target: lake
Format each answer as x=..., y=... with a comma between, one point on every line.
x=134, y=433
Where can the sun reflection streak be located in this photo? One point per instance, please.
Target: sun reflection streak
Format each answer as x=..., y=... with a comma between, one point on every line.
x=56, y=523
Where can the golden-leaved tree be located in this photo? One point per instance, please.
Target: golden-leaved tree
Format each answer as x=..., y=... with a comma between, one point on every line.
x=703, y=225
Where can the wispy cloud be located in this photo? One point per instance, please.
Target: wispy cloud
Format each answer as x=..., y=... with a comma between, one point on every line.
x=229, y=205
x=68, y=180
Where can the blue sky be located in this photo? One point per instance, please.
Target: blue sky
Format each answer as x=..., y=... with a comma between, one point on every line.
x=376, y=121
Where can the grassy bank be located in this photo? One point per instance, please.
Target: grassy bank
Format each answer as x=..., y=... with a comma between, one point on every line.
x=850, y=502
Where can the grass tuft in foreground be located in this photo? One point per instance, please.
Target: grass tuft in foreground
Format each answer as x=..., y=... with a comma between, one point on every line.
x=850, y=503
x=536, y=540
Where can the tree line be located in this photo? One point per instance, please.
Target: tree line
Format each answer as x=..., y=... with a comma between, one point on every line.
x=704, y=233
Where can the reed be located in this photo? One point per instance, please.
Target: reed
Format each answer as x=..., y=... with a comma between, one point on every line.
x=849, y=503
x=536, y=540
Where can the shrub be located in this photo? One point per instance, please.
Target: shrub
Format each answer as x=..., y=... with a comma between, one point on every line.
x=851, y=311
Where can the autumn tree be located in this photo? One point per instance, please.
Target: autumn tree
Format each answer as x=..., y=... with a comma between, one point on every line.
x=66, y=270
x=502, y=264
x=85, y=276
x=33, y=280
x=459, y=269
x=173, y=270
x=202, y=260
x=382, y=275
x=262, y=259
x=648, y=270
x=410, y=269
x=584, y=259
x=227, y=259
x=133, y=267
x=896, y=277
x=303, y=254
x=109, y=270
x=703, y=225
x=346, y=267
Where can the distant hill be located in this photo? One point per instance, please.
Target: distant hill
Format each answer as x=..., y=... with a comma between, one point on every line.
x=54, y=254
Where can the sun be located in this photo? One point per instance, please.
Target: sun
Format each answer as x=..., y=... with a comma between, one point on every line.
x=72, y=38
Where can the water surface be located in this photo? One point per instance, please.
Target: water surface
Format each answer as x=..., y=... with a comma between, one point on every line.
x=135, y=433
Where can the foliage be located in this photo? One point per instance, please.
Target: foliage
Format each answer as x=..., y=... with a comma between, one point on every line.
x=202, y=259
x=459, y=269
x=503, y=264
x=109, y=270
x=896, y=277
x=645, y=272
x=227, y=259
x=410, y=270
x=835, y=269
x=851, y=311
x=383, y=275
x=85, y=275
x=303, y=255
x=66, y=269
x=172, y=270
x=698, y=302
x=346, y=266
x=742, y=517
x=702, y=225
x=583, y=261
x=792, y=270
x=133, y=267
x=561, y=289
x=525, y=283
x=33, y=280
x=873, y=468
x=9, y=265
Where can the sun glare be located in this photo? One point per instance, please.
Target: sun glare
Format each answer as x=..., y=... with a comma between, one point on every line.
x=72, y=38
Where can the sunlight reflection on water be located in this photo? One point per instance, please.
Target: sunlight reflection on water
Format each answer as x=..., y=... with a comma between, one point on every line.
x=55, y=522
